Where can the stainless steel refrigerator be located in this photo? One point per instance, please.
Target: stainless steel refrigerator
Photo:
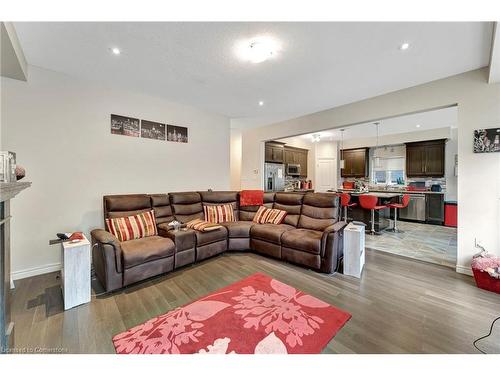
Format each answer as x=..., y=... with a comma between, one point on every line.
x=274, y=177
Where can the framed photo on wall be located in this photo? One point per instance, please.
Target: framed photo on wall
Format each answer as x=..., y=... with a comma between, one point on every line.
x=487, y=140
x=123, y=125
x=177, y=134
x=152, y=130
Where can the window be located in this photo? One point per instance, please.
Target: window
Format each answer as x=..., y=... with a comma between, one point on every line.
x=389, y=171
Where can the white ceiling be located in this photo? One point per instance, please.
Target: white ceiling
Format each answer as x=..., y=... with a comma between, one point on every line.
x=440, y=118
x=321, y=65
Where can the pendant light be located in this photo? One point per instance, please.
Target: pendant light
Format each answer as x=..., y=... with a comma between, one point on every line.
x=342, y=161
x=376, y=159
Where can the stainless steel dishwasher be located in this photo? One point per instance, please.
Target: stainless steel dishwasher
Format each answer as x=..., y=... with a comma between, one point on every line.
x=415, y=209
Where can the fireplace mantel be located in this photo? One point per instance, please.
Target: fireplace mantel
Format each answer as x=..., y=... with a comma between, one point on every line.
x=8, y=190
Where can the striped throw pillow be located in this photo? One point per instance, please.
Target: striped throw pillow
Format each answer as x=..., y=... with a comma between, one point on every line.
x=219, y=213
x=133, y=227
x=202, y=225
x=269, y=215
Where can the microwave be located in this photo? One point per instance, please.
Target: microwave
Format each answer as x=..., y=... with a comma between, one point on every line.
x=293, y=169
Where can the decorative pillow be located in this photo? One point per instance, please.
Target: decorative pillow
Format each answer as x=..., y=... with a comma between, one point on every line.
x=269, y=215
x=133, y=227
x=202, y=225
x=219, y=213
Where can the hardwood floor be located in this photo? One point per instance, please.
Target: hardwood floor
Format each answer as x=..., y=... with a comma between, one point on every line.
x=399, y=306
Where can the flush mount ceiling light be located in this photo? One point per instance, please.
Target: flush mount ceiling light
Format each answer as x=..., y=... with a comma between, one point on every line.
x=316, y=138
x=258, y=49
x=115, y=51
x=261, y=103
x=418, y=125
x=404, y=46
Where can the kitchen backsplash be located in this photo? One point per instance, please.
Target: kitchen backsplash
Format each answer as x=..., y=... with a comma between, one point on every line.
x=428, y=181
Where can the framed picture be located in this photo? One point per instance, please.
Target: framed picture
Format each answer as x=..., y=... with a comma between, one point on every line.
x=123, y=125
x=487, y=140
x=177, y=134
x=152, y=130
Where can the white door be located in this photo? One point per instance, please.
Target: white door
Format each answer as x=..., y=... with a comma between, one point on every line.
x=326, y=175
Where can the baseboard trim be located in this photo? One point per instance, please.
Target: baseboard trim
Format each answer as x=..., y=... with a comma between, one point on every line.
x=464, y=270
x=47, y=268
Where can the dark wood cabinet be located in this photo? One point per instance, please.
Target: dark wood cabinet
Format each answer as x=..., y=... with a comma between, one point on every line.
x=296, y=155
x=355, y=162
x=435, y=208
x=425, y=159
x=275, y=152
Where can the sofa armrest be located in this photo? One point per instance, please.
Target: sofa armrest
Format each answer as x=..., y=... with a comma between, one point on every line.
x=183, y=239
x=332, y=246
x=109, y=247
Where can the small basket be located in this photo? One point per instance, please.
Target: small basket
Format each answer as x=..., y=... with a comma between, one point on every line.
x=483, y=278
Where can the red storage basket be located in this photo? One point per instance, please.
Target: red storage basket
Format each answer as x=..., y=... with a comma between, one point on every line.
x=483, y=279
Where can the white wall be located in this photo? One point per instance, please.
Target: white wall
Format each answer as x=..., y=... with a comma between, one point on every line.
x=60, y=129
x=235, y=160
x=479, y=174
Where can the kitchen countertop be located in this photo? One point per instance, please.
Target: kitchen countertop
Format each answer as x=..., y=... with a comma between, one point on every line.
x=395, y=191
x=378, y=194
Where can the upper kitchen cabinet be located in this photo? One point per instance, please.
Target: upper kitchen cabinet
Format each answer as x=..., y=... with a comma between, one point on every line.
x=425, y=159
x=275, y=152
x=296, y=155
x=355, y=162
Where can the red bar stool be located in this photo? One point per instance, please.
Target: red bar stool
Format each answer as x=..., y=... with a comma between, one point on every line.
x=369, y=202
x=404, y=202
x=344, y=202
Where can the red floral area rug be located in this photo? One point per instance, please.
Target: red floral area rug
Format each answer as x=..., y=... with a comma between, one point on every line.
x=255, y=315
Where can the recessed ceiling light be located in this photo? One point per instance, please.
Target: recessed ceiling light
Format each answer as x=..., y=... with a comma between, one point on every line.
x=258, y=49
x=404, y=46
x=115, y=51
x=418, y=125
x=261, y=103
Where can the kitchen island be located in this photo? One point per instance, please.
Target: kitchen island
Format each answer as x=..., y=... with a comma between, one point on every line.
x=382, y=217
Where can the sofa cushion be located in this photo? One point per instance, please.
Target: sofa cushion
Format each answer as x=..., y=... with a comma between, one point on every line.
x=221, y=197
x=218, y=213
x=269, y=215
x=202, y=225
x=319, y=210
x=292, y=204
x=133, y=227
x=270, y=232
x=186, y=206
x=238, y=229
x=247, y=213
x=146, y=249
x=204, y=238
x=303, y=239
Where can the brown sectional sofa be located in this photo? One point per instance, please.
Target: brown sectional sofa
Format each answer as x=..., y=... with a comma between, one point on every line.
x=311, y=234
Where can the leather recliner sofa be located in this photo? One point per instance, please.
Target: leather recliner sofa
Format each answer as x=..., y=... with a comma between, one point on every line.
x=310, y=235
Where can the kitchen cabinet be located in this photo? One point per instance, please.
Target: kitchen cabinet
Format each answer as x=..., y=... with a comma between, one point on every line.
x=425, y=159
x=274, y=152
x=355, y=162
x=435, y=208
x=296, y=155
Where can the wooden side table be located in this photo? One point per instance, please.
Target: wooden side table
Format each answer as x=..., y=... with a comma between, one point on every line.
x=75, y=273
